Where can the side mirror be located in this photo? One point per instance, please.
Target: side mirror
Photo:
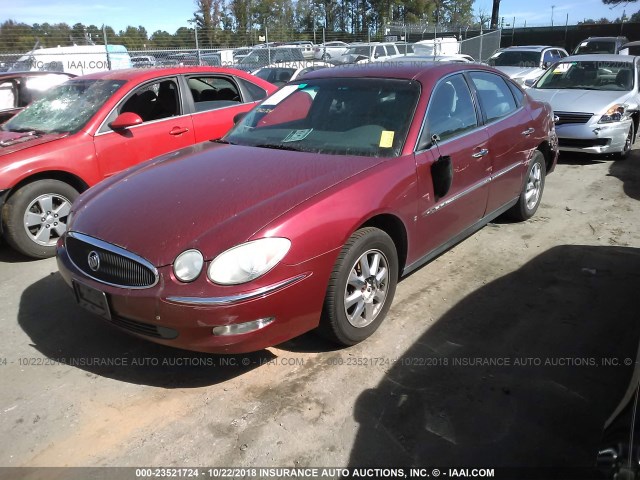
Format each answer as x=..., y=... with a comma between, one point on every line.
x=238, y=117
x=529, y=82
x=125, y=120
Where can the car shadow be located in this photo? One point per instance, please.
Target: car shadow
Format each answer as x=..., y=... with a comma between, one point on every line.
x=9, y=255
x=577, y=158
x=628, y=171
x=522, y=372
x=64, y=332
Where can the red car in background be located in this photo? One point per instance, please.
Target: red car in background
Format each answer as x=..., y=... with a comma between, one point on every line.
x=311, y=208
x=94, y=126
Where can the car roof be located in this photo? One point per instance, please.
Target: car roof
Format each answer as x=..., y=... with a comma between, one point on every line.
x=600, y=57
x=608, y=39
x=632, y=44
x=138, y=74
x=529, y=48
x=424, y=73
x=31, y=73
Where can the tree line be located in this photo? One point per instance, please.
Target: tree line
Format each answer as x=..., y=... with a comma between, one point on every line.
x=242, y=22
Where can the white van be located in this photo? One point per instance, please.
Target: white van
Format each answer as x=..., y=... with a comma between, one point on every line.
x=437, y=46
x=78, y=60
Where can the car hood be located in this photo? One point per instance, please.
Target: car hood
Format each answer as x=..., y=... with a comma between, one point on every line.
x=11, y=142
x=521, y=72
x=574, y=100
x=209, y=196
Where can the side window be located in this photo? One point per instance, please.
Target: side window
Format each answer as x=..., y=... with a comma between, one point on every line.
x=495, y=97
x=7, y=95
x=254, y=92
x=379, y=52
x=548, y=57
x=561, y=54
x=517, y=93
x=154, y=101
x=451, y=111
x=211, y=92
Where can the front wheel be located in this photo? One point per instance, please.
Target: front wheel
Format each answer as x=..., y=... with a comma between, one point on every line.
x=35, y=216
x=628, y=143
x=361, y=287
x=531, y=194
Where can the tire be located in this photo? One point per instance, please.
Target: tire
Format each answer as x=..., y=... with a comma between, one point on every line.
x=326, y=57
x=35, y=216
x=627, y=145
x=531, y=195
x=343, y=324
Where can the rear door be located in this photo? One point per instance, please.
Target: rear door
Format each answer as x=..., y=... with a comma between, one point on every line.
x=214, y=101
x=460, y=157
x=165, y=127
x=510, y=130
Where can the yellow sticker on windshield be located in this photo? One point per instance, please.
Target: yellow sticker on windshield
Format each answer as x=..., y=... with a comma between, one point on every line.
x=386, y=139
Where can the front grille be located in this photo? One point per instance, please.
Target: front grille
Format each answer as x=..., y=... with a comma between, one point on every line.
x=116, y=266
x=583, y=143
x=144, y=328
x=572, y=117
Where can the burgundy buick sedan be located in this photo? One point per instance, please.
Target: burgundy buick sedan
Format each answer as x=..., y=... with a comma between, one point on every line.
x=309, y=210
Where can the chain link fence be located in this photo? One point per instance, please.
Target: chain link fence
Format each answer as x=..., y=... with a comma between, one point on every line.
x=193, y=46
x=482, y=46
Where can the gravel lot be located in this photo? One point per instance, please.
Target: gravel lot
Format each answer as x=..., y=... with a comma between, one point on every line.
x=503, y=351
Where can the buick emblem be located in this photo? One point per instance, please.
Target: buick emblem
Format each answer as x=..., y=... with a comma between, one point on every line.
x=94, y=260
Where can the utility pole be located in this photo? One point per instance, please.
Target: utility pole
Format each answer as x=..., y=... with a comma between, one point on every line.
x=495, y=13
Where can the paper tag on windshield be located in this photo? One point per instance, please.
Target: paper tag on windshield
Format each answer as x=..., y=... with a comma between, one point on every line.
x=297, y=135
x=386, y=139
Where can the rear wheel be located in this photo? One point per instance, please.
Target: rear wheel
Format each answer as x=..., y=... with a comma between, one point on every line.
x=326, y=57
x=531, y=194
x=361, y=287
x=35, y=216
x=627, y=145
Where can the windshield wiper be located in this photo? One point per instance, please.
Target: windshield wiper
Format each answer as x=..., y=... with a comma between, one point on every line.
x=34, y=131
x=278, y=147
x=220, y=140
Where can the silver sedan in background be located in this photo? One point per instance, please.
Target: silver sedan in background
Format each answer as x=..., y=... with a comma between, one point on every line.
x=596, y=101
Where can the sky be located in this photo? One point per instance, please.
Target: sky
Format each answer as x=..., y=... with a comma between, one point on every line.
x=170, y=15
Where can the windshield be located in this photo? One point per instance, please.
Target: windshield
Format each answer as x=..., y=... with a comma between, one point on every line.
x=609, y=76
x=596, y=47
x=337, y=116
x=366, y=51
x=515, y=59
x=66, y=108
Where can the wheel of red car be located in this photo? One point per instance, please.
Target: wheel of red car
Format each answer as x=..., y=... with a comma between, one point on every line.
x=361, y=287
x=35, y=216
x=532, y=192
x=627, y=145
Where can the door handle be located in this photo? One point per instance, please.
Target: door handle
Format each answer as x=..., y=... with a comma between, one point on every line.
x=178, y=131
x=481, y=153
x=528, y=131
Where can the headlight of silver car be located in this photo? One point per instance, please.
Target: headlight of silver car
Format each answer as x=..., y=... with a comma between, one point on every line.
x=248, y=261
x=188, y=265
x=614, y=114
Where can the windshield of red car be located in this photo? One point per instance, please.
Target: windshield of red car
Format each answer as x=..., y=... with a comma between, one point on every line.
x=65, y=108
x=589, y=75
x=338, y=116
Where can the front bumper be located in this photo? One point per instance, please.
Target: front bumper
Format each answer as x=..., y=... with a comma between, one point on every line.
x=591, y=137
x=184, y=315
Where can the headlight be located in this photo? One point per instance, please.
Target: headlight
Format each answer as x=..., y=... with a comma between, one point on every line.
x=248, y=261
x=188, y=265
x=614, y=114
